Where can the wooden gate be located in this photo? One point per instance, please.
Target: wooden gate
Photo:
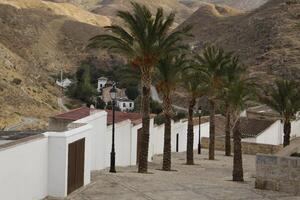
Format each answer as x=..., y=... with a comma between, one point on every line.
x=139, y=143
x=76, y=165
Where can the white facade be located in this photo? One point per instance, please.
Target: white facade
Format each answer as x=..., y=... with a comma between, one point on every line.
x=58, y=158
x=64, y=83
x=23, y=171
x=125, y=105
x=39, y=168
x=101, y=83
x=274, y=134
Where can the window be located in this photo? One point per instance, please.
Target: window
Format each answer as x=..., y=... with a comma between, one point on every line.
x=130, y=105
x=124, y=105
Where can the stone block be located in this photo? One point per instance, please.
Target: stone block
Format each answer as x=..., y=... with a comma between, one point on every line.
x=287, y=186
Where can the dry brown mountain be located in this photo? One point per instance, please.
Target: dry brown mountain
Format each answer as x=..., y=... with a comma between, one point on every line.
x=267, y=39
x=244, y=5
x=110, y=7
x=37, y=39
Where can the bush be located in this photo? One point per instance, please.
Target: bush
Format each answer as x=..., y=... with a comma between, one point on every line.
x=295, y=154
x=159, y=119
x=179, y=116
x=17, y=81
x=155, y=107
x=132, y=92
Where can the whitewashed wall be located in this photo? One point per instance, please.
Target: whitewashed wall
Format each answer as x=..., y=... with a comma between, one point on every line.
x=58, y=158
x=98, y=121
x=133, y=144
x=180, y=128
x=24, y=171
x=295, y=129
x=272, y=135
x=122, y=143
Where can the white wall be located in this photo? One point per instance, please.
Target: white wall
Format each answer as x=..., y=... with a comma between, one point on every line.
x=58, y=158
x=273, y=135
x=157, y=137
x=24, y=171
x=295, y=132
x=122, y=143
x=134, y=132
x=98, y=122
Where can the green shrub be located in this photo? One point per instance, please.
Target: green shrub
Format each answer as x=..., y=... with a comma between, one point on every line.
x=159, y=119
x=295, y=154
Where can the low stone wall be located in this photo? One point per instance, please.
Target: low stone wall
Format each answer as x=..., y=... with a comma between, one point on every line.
x=278, y=174
x=247, y=147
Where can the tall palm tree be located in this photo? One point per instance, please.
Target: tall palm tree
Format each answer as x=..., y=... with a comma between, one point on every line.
x=233, y=72
x=284, y=98
x=212, y=64
x=143, y=39
x=168, y=76
x=192, y=82
x=241, y=90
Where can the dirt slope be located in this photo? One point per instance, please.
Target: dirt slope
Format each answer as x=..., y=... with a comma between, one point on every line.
x=110, y=7
x=37, y=39
x=267, y=39
x=244, y=5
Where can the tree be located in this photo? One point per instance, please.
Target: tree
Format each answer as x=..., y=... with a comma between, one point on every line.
x=241, y=90
x=142, y=39
x=168, y=76
x=284, y=98
x=83, y=89
x=192, y=82
x=233, y=72
x=212, y=64
x=132, y=92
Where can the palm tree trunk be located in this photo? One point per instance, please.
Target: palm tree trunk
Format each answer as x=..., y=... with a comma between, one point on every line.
x=167, y=139
x=212, y=131
x=190, y=134
x=227, y=132
x=287, y=133
x=237, y=174
x=145, y=108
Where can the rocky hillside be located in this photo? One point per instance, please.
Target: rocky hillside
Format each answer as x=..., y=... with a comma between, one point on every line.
x=267, y=39
x=244, y=5
x=37, y=39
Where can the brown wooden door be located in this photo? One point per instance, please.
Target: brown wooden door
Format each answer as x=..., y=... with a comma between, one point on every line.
x=139, y=143
x=76, y=165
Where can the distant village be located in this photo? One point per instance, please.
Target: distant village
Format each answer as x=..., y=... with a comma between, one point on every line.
x=104, y=85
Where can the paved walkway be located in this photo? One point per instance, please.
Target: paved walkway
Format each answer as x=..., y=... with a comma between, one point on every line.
x=207, y=180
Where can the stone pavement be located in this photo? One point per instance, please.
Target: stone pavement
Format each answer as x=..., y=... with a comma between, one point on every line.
x=207, y=180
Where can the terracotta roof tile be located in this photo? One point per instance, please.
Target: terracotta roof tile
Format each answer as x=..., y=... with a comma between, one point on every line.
x=253, y=127
x=83, y=112
x=75, y=114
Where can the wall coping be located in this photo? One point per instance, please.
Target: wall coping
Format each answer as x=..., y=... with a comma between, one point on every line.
x=69, y=133
x=276, y=156
x=22, y=141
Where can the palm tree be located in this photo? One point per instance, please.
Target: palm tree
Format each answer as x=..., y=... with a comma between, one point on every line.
x=284, y=98
x=212, y=64
x=192, y=82
x=168, y=75
x=232, y=73
x=143, y=39
x=241, y=90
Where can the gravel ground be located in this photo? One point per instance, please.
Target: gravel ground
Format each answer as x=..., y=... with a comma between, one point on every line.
x=206, y=180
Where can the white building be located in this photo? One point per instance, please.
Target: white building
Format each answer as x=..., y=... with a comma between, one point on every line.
x=64, y=83
x=125, y=104
x=45, y=164
x=101, y=83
